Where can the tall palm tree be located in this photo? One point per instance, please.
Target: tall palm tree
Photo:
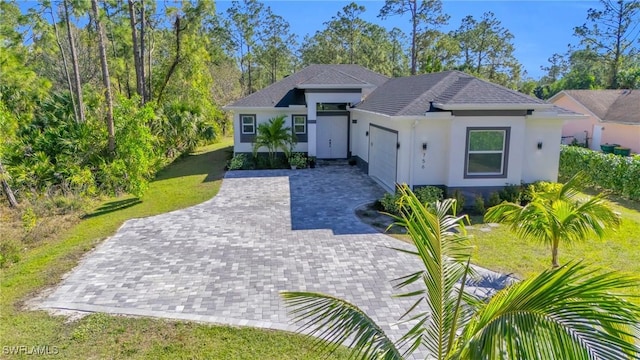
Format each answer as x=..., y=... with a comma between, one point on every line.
x=557, y=214
x=274, y=135
x=564, y=313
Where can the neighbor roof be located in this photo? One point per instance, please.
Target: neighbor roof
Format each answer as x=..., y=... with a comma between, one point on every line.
x=289, y=91
x=610, y=105
x=415, y=95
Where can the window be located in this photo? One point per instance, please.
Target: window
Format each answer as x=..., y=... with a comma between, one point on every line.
x=299, y=124
x=248, y=123
x=487, y=152
x=331, y=107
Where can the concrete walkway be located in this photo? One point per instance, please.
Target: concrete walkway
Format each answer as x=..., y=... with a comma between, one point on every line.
x=225, y=260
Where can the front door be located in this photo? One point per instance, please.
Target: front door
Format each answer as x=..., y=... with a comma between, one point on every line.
x=331, y=137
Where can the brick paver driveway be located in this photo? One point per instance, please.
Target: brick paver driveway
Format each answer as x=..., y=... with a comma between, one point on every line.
x=226, y=260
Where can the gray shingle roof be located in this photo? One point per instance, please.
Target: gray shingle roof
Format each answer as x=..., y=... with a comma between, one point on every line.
x=413, y=95
x=610, y=105
x=284, y=92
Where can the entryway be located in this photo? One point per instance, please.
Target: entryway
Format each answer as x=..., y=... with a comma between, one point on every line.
x=332, y=134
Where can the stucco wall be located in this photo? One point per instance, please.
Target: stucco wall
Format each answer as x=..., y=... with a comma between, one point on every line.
x=541, y=164
x=261, y=117
x=625, y=135
x=443, y=162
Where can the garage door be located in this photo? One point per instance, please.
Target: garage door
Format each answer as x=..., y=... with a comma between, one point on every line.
x=383, y=155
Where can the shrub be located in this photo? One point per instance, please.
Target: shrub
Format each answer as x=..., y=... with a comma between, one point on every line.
x=237, y=162
x=511, y=193
x=619, y=174
x=494, y=199
x=298, y=160
x=478, y=205
x=428, y=194
x=459, y=197
x=29, y=219
x=389, y=203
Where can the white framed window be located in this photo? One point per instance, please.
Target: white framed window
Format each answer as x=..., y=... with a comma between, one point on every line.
x=248, y=124
x=487, y=152
x=299, y=124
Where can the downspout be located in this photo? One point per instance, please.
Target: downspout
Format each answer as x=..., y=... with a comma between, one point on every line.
x=412, y=153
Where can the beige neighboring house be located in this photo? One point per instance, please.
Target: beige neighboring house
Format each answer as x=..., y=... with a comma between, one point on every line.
x=613, y=117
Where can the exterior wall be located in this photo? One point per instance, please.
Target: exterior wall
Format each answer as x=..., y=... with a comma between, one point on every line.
x=431, y=166
x=541, y=164
x=458, y=138
x=263, y=116
x=577, y=129
x=443, y=162
x=626, y=135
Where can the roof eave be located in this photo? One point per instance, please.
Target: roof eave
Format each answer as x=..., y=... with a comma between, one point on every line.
x=496, y=106
x=334, y=86
x=253, y=108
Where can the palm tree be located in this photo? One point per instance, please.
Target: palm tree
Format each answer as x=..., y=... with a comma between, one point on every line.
x=556, y=214
x=274, y=135
x=564, y=313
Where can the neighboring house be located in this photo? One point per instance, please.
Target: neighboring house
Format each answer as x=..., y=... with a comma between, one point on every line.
x=613, y=117
x=446, y=129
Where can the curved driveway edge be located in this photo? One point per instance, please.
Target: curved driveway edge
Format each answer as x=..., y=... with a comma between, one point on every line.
x=226, y=260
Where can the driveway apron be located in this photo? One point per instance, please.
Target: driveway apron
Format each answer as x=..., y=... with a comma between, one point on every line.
x=226, y=260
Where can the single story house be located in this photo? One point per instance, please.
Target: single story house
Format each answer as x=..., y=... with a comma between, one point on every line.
x=446, y=129
x=613, y=116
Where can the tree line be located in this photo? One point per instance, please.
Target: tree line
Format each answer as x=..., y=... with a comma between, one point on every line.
x=97, y=95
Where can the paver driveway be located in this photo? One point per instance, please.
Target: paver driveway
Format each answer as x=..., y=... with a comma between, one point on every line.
x=226, y=260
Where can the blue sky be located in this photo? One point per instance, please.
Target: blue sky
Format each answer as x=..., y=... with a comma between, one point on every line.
x=540, y=28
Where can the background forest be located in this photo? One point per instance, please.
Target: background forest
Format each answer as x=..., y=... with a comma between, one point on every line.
x=97, y=95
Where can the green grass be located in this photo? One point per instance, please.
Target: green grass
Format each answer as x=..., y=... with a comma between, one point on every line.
x=500, y=250
x=188, y=181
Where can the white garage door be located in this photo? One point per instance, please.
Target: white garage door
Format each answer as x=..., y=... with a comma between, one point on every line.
x=383, y=156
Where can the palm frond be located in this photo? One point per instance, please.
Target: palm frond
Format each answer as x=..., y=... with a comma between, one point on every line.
x=444, y=250
x=564, y=313
x=339, y=322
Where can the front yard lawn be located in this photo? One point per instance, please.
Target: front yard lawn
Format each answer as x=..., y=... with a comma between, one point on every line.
x=500, y=250
x=188, y=181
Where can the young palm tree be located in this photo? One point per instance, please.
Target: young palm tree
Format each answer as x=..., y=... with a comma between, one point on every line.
x=556, y=214
x=274, y=135
x=564, y=313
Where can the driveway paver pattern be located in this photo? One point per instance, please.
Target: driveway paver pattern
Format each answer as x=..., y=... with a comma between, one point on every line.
x=226, y=260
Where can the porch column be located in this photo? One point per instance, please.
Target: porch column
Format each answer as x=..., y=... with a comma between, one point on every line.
x=311, y=137
x=311, y=124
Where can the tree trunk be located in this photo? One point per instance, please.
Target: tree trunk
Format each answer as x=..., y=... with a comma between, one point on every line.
x=7, y=189
x=414, y=37
x=105, y=77
x=142, y=75
x=65, y=65
x=554, y=254
x=113, y=44
x=175, y=63
x=74, y=60
x=136, y=51
x=66, y=68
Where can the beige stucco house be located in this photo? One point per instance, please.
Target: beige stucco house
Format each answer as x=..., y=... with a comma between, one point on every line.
x=613, y=117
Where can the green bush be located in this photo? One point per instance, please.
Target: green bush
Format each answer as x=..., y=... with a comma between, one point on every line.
x=237, y=162
x=428, y=194
x=478, y=205
x=389, y=203
x=618, y=174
